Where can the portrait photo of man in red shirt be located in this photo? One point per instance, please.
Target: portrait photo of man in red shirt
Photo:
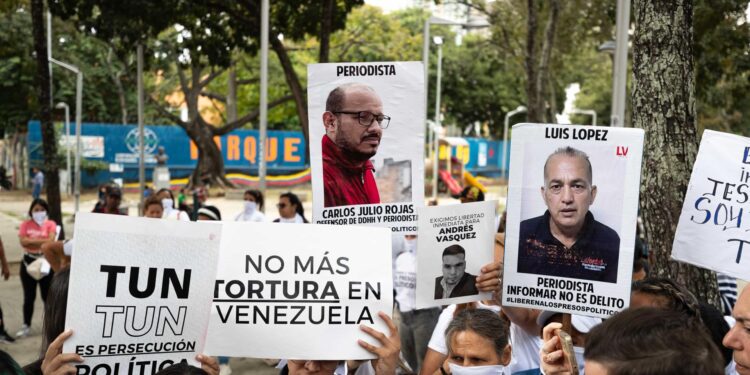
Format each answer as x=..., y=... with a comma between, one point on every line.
x=354, y=122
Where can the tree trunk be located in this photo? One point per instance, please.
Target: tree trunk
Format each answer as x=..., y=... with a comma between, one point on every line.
x=542, y=78
x=118, y=85
x=210, y=166
x=49, y=143
x=664, y=106
x=532, y=96
x=325, y=29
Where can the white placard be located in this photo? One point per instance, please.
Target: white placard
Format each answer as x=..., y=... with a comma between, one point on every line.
x=91, y=146
x=455, y=241
x=712, y=232
x=299, y=291
x=570, y=236
x=343, y=191
x=140, y=292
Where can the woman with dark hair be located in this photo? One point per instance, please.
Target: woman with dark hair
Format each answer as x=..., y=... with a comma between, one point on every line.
x=477, y=337
x=167, y=201
x=290, y=209
x=253, y=210
x=33, y=233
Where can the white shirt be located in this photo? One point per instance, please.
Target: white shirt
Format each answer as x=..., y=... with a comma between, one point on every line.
x=525, y=350
x=256, y=216
x=176, y=215
x=405, y=281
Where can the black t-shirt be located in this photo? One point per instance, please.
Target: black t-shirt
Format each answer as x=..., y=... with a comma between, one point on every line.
x=594, y=255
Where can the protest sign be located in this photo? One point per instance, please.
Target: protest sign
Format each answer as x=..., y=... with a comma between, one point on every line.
x=363, y=173
x=573, y=200
x=454, y=242
x=142, y=292
x=299, y=291
x=711, y=232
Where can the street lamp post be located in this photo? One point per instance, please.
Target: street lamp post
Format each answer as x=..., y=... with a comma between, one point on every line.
x=63, y=105
x=619, y=90
x=503, y=159
x=435, y=159
x=470, y=24
x=79, y=96
x=263, y=121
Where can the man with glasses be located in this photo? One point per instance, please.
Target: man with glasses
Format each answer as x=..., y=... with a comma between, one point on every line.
x=354, y=123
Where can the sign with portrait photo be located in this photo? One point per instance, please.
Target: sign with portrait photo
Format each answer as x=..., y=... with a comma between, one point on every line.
x=454, y=242
x=573, y=193
x=299, y=291
x=367, y=124
x=142, y=292
x=711, y=232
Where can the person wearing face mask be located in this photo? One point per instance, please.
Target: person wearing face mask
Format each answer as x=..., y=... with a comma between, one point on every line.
x=416, y=325
x=478, y=344
x=33, y=233
x=290, y=209
x=253, y=200
x=170, y=212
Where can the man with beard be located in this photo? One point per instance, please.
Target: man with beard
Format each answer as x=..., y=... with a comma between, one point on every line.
x=354, y=124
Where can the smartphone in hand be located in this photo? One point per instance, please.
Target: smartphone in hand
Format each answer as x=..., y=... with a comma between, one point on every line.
x=568, y=352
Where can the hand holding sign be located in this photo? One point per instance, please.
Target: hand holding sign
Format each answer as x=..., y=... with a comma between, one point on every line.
x=489, y=277
x=55, y=362
x=388, y=354
x=208, y=364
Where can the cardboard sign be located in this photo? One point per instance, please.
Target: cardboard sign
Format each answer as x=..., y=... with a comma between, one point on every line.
x=141, y=292
x=363, y=173
x=455, y=241
x=711, y=232
x=573, y=200
x=299, y=291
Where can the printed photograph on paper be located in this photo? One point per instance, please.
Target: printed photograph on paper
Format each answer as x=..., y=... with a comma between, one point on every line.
x=366, y=143
x=570, y=239
x=454, y=242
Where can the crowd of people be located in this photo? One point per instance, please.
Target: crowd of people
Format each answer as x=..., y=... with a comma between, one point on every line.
x=665, y=330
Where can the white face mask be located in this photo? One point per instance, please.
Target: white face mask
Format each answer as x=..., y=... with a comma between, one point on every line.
x=410, y=245
x=39, y=217
x=168, y=204
x=476, y=370
x=579, y=357
x=250, y=207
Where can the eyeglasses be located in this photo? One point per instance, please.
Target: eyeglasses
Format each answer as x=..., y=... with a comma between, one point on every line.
x=366, y=118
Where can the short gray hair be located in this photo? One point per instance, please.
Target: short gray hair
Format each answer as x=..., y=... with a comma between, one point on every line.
x=573, y=153
x=483, y=322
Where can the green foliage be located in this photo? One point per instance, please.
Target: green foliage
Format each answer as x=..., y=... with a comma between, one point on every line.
x=17, y=69
x=722, y=62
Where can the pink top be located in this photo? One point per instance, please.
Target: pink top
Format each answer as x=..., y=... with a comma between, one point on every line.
x=33, y=231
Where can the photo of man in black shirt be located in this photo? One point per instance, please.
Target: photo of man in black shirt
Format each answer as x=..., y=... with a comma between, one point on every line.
x=566, y=240
x=455, y=282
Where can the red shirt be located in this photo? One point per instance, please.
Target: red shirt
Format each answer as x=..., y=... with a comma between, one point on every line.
x=34, y=231
x=347, y=181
